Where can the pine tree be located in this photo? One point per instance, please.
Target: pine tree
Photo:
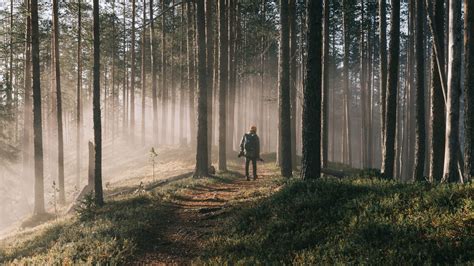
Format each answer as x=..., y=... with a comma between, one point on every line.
x=202, y=164
x=223, y=78
x=420, y=94
x=99, y=198
x=469, y=88
x=311, y=162
x=392, y=92
x=284, y=93
x=450, y=171
x=37, y=127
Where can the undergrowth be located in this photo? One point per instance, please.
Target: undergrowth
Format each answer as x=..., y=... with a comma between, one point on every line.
x=351, y=221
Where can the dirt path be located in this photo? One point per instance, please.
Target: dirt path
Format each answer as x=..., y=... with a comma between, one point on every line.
x=192, y=216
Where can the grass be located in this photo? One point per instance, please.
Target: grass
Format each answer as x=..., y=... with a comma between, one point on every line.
x=276, y=221
x=116, y=232
x=351, y=221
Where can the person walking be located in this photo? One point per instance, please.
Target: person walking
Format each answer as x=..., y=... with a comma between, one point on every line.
x=250, y=148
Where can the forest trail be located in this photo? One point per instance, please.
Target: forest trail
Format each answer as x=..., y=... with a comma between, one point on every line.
x=193, y=214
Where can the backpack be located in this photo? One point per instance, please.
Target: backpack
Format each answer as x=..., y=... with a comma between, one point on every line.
x=250, y=144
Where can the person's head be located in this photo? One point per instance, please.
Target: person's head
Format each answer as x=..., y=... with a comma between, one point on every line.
x=253, y=129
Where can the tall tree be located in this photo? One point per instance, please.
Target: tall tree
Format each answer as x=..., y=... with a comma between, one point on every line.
x=450, y=171
x=143, y=72
x=284, y=92
x=420, y=93
x=37, y=127
x=78, y=95
x=392, y=92
x=469, y=88
x=164, y=84
x=311, y=162
x=438, y=112
x=153, y=65
x=182, y=90
x=210, y=70
x=383, y=62
x=191, y=71
x=293, y=75
x=99, y=198
x=347, y=147
x=27, y=120
x=325, y=99
x=223, y=78
x=201, y=151
x=59, y=108
x=132, y=74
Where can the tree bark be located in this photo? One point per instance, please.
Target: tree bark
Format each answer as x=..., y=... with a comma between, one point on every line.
x=284, y=93
x=347, y=149
x=420, y=144
x=191, y=72
x=132, y=76
x=223, y=79
x=392, y=88
x=99, y=198
x=469, y=88
x=164, y=86
x=450, y=173
x=28, y=115
x=325, y=99
x=202, y=164
x=59, y=110
x=311, y=162
x=210, y=71
x=383, y=63
x=153, y=75
x=293, y=76
x=438, y=112
x=143, y=73
x=78, y=95
x=37, y=127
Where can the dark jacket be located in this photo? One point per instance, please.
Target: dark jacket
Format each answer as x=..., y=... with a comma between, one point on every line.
x=250, y=145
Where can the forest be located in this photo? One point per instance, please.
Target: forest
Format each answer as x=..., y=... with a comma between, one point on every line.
x=127, y=130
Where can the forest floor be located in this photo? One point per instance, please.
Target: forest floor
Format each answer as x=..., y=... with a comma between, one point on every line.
x=272, y=220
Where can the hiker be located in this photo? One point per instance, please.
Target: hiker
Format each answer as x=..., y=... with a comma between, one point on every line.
x=250, y=148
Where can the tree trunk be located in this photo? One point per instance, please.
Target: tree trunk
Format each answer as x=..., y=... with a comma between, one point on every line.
x=232, y=6
x=347, y=151
x=132, y=76
x=191, y=72
x=59, y=118
x=469, y=89
x=420, y=94
x=201, y=151
x=210, y=72
x=325, y=99
x=99, y=198
x=284, y=93
x=450, y=173
x=143, y=73
x=164, y=85
x=293, y=72
x=78, y=96
x=392, y=88
x=28, y=115
x=37, y=127
x=383, y=63
x=311, y=162
x=223, y=78
x=438, y=112
x=153, y=75
x=182, y=89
